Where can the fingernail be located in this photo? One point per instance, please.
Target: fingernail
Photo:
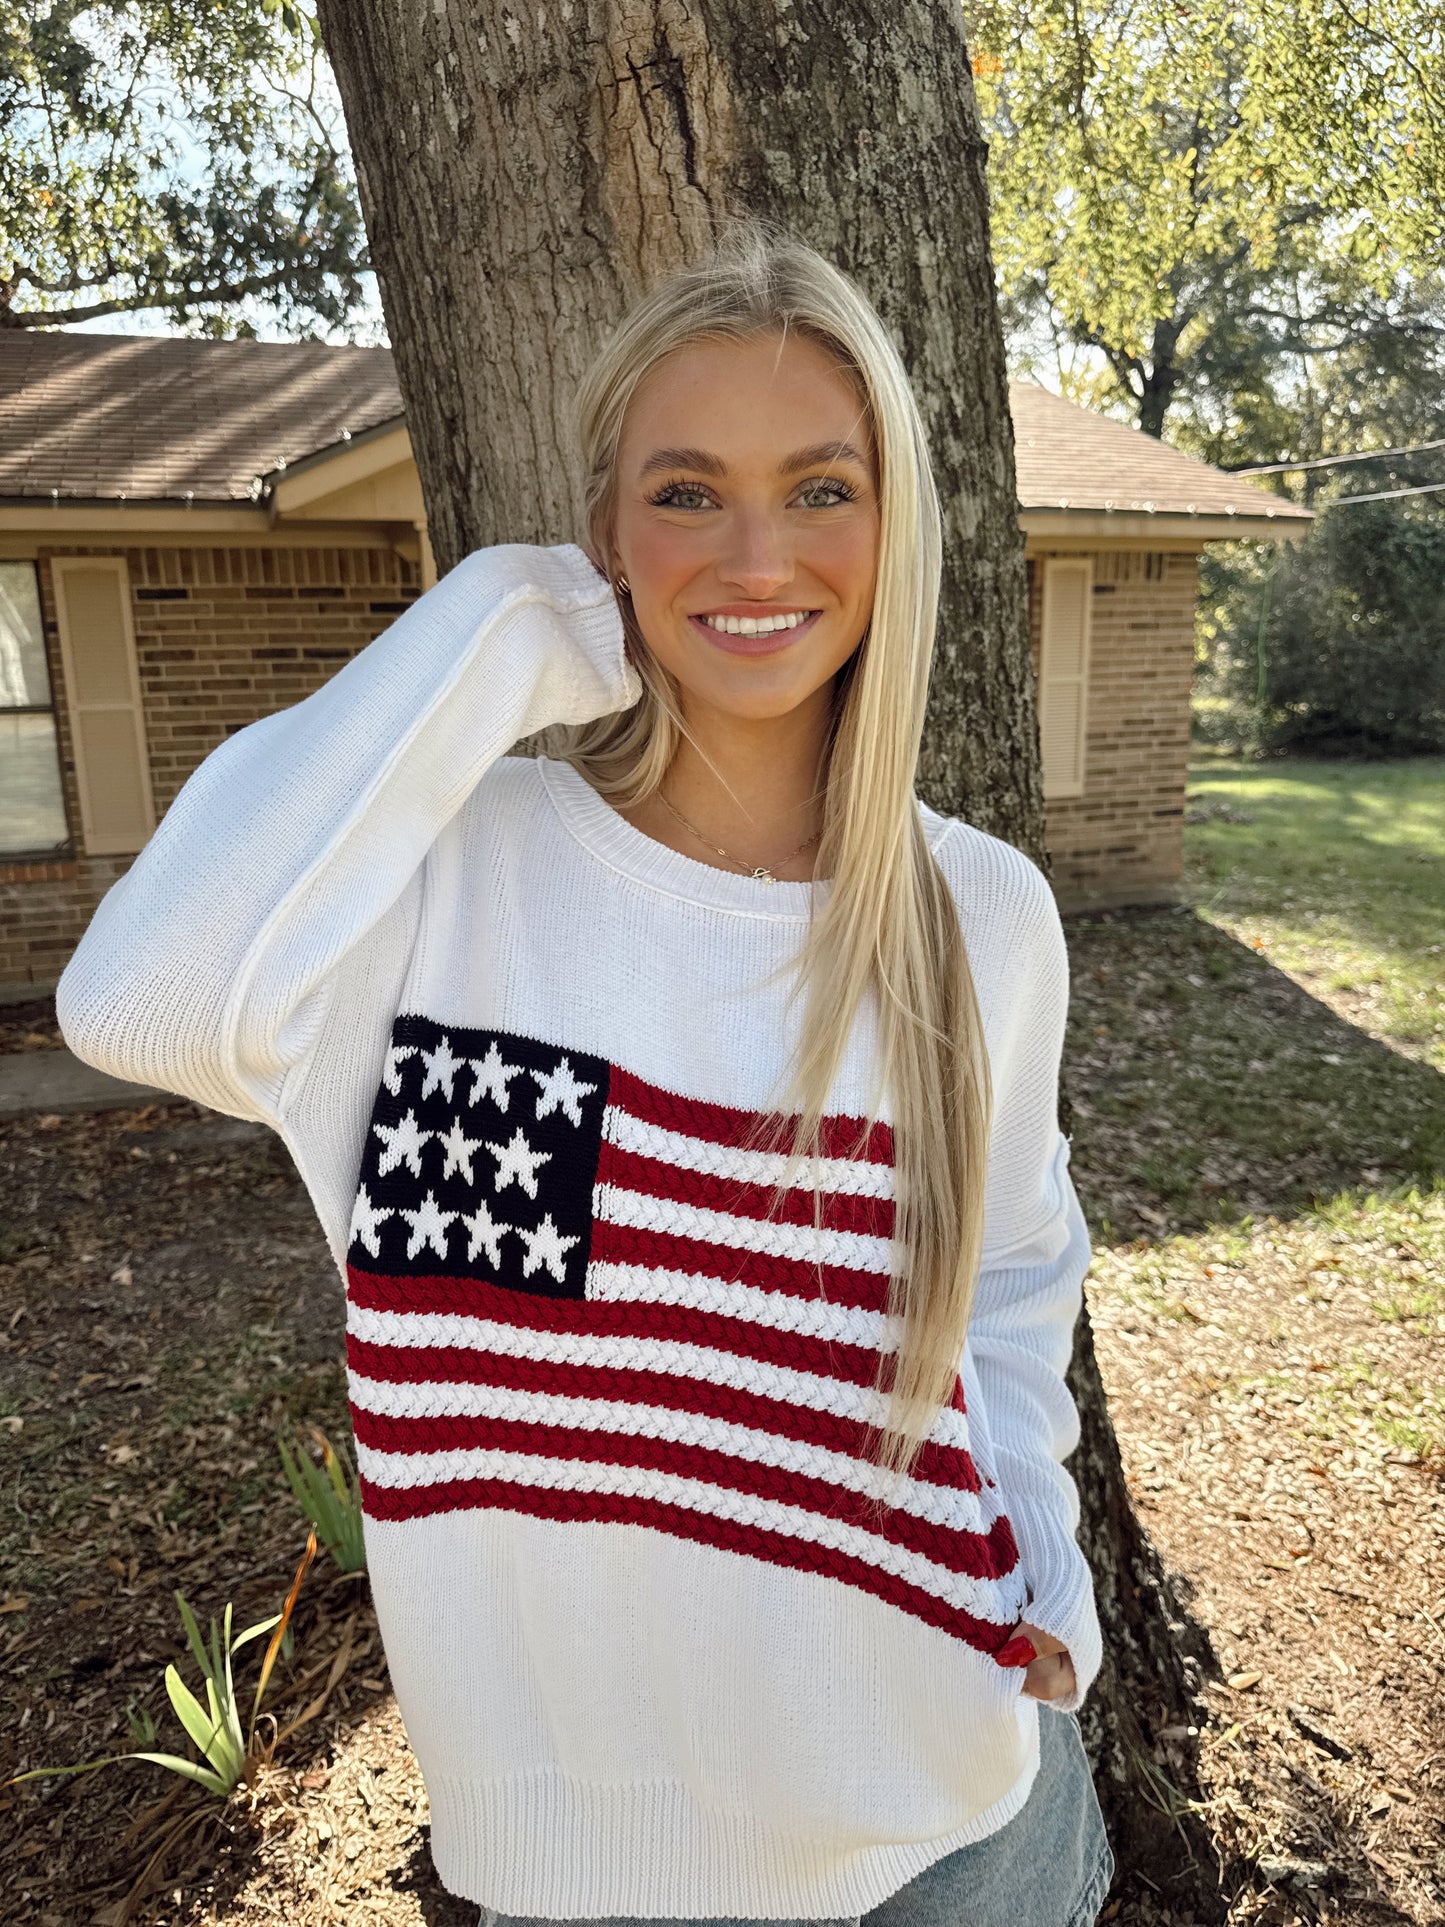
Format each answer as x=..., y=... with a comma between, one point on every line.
x=1020, y=1651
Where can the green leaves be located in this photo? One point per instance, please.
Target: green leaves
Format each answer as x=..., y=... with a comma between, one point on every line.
x=229, y=1751
x=1151, y=162
x=173, y=155
x=330, y=1497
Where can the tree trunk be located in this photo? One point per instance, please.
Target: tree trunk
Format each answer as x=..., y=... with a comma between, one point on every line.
x=523, y=177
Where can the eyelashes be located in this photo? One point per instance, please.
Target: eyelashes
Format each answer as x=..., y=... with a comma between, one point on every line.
x=668, y=495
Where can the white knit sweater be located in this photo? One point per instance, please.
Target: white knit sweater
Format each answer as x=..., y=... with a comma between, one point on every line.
x=657, y=1652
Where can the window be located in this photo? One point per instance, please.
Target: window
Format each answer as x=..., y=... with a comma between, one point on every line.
x=1064, y=673
x=32, y=802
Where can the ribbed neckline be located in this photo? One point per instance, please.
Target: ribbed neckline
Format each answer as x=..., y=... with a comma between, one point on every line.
x=619, y=844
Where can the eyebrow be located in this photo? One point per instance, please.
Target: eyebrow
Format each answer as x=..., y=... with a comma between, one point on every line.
x=702, y=463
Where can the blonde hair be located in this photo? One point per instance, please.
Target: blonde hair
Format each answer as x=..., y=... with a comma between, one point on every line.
x=890, y=926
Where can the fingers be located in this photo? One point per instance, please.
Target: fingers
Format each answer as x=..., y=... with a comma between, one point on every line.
x=1042, y=1642
x=1049, y=1676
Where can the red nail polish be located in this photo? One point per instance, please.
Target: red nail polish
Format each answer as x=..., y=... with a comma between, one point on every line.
x=1019, y=1651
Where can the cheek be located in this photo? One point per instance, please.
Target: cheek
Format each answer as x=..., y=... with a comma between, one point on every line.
x=660, y=559
x=845, y=557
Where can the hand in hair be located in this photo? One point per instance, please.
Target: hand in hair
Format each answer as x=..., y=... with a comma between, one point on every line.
x=1050, y=1674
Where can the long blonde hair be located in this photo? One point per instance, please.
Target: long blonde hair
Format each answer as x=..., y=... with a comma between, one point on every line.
x=890, y=926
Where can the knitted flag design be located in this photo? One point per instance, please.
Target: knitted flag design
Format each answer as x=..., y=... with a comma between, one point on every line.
x=566, y=1297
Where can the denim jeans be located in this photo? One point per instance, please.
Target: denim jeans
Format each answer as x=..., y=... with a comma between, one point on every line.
x=1050, y=1866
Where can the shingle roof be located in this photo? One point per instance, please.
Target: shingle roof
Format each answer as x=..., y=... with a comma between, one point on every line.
x=151, y=418
x=1070, y=458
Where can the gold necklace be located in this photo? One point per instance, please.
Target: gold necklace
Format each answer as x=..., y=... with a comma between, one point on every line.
x=759, y=871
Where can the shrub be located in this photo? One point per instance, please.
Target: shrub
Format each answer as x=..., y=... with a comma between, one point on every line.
x=1343, y=636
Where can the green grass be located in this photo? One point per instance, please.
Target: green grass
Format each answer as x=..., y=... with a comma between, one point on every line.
x=1245, y=1275
x=1261, y=1106
x=1339, y=874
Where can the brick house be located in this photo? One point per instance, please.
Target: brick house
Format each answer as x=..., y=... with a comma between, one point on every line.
x=196, y=533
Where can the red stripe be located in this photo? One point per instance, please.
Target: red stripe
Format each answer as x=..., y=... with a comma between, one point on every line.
x=657, y=1178
x=987, y=1555
x=635, y=1318
x=778, y=1548
x=948, y=1465
x=725, y=1124
x=621, y=1244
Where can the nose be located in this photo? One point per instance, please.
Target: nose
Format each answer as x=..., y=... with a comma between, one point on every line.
x=757, y=558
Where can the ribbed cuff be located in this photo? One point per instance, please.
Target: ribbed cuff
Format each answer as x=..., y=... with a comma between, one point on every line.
x=1061, y=1586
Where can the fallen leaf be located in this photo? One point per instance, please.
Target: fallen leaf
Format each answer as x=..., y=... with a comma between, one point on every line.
x=1241, y=1682
x=16, y=1603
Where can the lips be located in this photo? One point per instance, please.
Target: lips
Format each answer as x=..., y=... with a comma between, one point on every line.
x=766, y=644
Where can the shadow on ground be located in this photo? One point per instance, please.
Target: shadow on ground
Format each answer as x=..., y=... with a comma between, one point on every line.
x=1208, y=1086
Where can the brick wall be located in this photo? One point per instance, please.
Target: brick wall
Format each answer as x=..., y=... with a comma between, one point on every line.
x=223, y=636
x=1122, y=841
x=226, y=635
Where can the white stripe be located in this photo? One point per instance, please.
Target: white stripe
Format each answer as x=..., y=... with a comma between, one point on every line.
x=414, y=1329
x=940, y=1504
x=780, y=1310
x=852, y=1249
x=853, y=1177
x=994, y=1600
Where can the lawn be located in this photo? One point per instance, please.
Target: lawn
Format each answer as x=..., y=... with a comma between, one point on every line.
x=1260, y=1145
x=1257, y=1121
x=1338, y=871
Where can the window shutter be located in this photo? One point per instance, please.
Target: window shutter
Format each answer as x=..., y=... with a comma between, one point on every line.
x=1068, y=589
x=102, y=689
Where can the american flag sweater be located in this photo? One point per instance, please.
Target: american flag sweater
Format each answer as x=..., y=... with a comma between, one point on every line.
x=659, y=1649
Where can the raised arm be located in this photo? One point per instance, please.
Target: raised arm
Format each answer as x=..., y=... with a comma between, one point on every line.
x=298, y=842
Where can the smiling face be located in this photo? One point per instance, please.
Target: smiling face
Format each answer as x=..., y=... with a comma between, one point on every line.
x=746, y=520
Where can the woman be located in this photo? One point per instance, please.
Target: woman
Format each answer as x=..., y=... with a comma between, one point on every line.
x=722, y=1554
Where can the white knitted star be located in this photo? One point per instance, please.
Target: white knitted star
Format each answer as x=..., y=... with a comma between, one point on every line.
x=403, y=1141
x=458, y=1147
x=395, y=1058
x=485, y=1230
x=428, y=1227
x=546, y=1246
x=517, y=1163
x=441, y=1068
x=366, y=1219
x=561, y=1087
x=489, y=1078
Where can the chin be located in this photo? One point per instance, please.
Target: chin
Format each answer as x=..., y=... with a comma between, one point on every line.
x=749, y=705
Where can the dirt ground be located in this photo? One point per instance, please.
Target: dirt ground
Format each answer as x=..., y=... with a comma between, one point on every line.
x=167, y=1308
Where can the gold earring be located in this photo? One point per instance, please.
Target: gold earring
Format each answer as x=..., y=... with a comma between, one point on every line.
x=622, y=586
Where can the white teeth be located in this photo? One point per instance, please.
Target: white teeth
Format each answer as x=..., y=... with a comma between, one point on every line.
x=756, y=625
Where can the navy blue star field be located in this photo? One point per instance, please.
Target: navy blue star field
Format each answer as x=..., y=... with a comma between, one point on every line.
x=480, y=1160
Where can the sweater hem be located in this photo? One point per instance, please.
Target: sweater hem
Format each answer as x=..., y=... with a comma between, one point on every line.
x=543, y=1846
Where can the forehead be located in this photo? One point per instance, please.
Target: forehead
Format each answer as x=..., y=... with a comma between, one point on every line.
x=750, y=401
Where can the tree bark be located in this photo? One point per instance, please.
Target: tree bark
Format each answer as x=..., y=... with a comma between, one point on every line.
x=523, y=178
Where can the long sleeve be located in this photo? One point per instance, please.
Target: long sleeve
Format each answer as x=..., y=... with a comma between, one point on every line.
x=1030, y=1289
x=294, y=851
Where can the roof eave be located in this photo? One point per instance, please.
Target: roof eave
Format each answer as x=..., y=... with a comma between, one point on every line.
x=1160, y=528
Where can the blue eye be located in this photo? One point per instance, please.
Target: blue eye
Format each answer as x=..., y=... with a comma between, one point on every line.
x=825, y=493
x=839, y=491
x=671, y=496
